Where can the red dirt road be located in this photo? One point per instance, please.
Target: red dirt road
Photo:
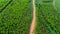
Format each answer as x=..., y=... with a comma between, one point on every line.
x=34, y=19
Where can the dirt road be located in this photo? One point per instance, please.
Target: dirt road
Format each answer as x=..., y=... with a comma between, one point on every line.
x=34, y=19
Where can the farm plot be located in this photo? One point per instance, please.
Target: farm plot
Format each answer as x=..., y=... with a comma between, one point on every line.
x=47, y=18
x=16, y=16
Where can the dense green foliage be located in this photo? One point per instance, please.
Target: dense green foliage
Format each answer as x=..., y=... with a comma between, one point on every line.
x=48, y=18
x=16, y=16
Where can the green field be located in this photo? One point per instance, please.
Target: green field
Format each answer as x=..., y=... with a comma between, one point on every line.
x=48, y=18
x=15, y=16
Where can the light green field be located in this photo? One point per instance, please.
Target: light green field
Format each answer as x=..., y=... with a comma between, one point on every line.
x=48, y=18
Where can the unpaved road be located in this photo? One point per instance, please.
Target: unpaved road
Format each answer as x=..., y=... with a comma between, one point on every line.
x=34, y=19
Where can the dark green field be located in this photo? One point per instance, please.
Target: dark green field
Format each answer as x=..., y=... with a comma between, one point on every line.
x=15, y=16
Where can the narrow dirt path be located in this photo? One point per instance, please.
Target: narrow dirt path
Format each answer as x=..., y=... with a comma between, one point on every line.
x=34, y=19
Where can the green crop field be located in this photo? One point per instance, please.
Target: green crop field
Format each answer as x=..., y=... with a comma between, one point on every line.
x=15, y=16
x=48, y=18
